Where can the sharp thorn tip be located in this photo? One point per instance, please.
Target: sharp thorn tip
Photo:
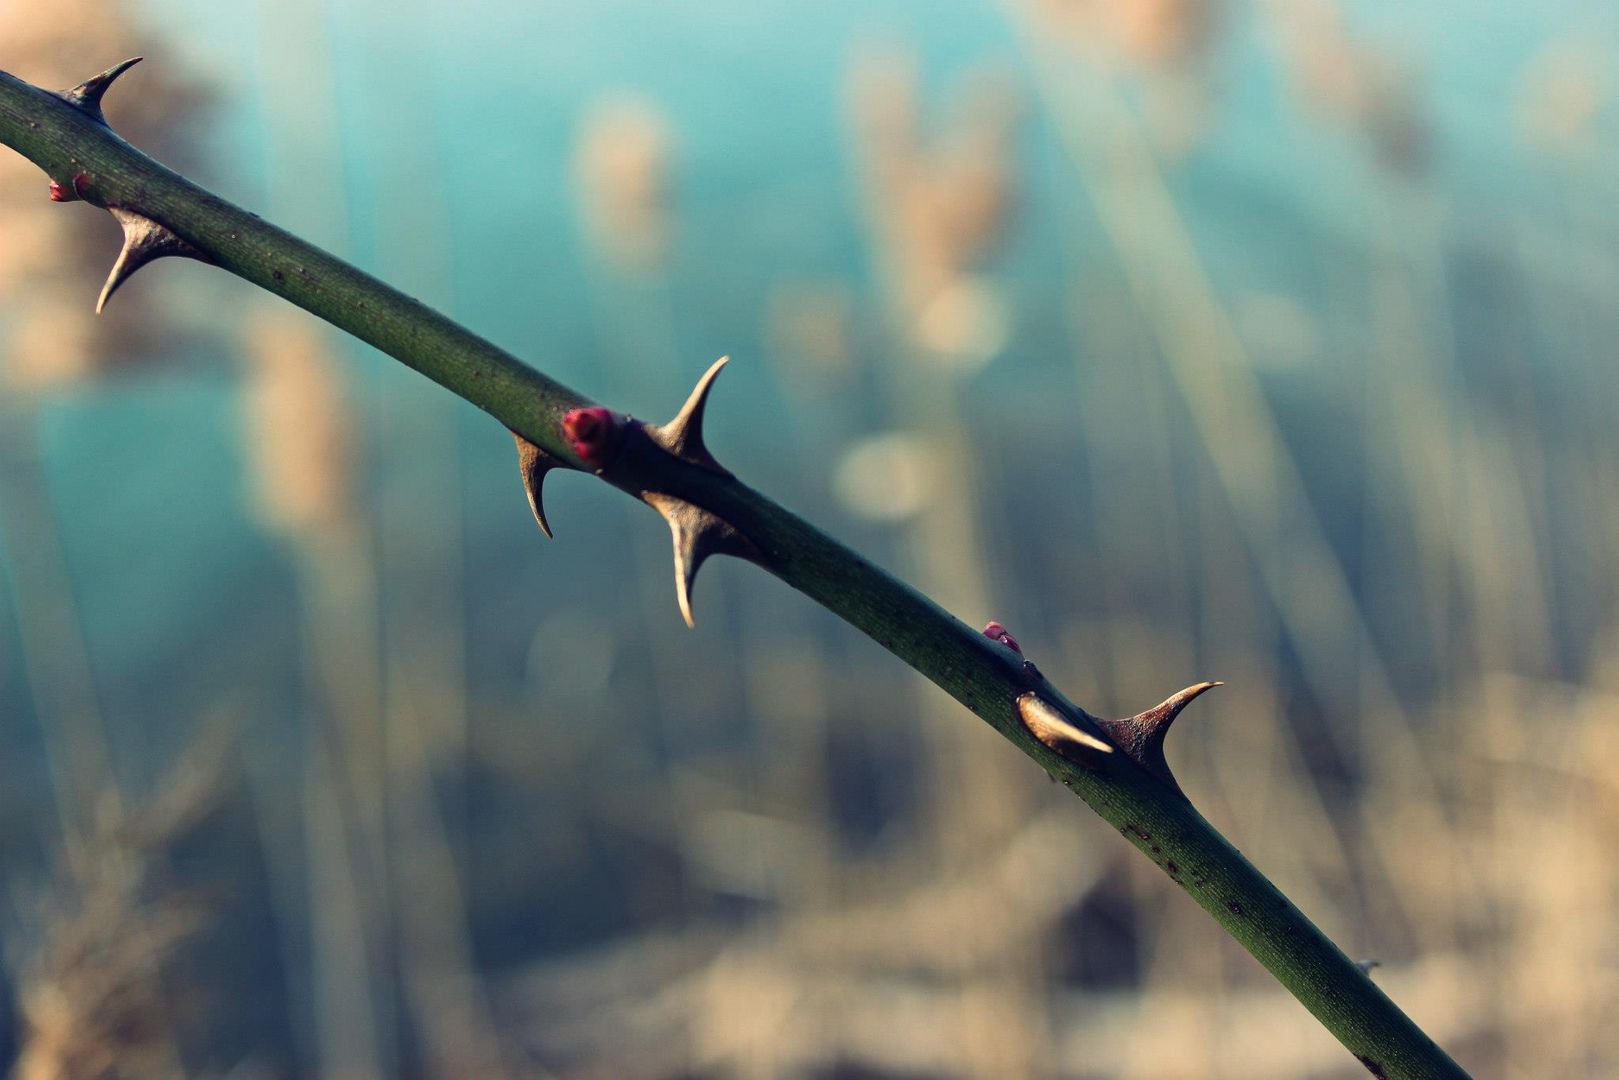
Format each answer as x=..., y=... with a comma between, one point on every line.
x=88, y=94
x=533, y=463
x=1159, y=717
x=145, y=241
x=697, y=534
x=683, y=436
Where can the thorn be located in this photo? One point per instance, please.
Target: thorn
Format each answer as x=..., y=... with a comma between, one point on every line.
x=697, y=533
x=594, y=433
x=683, y=436
x=1157, y=719
x=996, y=632
x=144, y=241
x=1058, y=732
x=88, y=94
x=1141, y=736
x=534, y=463
x=1366, y=966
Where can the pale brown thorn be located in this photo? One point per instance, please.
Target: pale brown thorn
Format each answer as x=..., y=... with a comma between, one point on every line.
x=88, y=94
x=683, y=436
x=1056, y=731
x=534, y=463
x=697, y=534
x=1158, y=718
x=1141, y=736
x=144, y=241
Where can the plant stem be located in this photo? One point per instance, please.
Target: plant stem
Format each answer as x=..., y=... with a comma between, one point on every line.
x=80, y=152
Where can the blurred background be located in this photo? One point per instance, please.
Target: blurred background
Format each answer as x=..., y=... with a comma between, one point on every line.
x=1260, y=340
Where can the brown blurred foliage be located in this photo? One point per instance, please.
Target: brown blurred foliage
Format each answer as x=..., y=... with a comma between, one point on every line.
x=297, y=427
x=622, y=169
x=56, y=255
x=1342, y=77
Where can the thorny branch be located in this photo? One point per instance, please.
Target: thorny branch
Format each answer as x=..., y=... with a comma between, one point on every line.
x=1116, y=766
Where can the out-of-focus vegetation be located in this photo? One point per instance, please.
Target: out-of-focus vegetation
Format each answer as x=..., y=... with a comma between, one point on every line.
x=1262, y=341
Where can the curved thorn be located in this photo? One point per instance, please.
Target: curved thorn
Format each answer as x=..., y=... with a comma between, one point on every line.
x=1141, y=736
x=683, y=436
x=144, y=241
x=1056, y=731
x=534, y=463
x=1157, y=719
x=1366, y=966
x=687, y=563
x=88, y=94
x=697, y=534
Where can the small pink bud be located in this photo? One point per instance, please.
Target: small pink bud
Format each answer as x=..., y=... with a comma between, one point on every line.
x=61, y=192
x=996, y=632
x=593, y=433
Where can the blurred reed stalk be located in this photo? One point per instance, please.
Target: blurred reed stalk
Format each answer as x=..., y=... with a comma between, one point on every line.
x=51, y=346
x=1435, y=465
x=1178, y=587
x=389, y=894
x=61, y=682
x=808, y=340
x=936, y=206
x=1175, y=587
x=423, y=567
x=304, y=494
x=103, y=989
x=625, y=177
x=1235, y=423
x=380, y=867
x=307, y=494
x=1166, y=46
x=625, y=182
x=1211, y=368
x=1469, y=490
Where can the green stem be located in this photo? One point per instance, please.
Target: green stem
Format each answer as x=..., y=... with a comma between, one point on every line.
x=76, y=149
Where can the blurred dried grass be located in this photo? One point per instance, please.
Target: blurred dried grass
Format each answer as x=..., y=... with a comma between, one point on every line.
x=105, y=989
x=53, y=254
x=92, y=967
x=298, y=429
x=1346, y=80
x=1562, y=94
x=622, y=171
x=1165, y=46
